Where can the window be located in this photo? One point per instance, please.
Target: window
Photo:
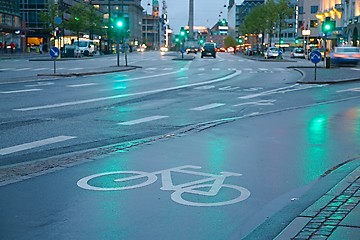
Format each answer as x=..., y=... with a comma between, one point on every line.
x=314, y=9
x=301, y=10
x=313, y=23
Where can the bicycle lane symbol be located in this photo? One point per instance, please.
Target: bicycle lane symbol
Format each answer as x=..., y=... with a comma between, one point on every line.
x=211, y=182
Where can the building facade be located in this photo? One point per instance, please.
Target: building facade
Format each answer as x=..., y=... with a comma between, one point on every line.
x=11, y=27
x=308, y=26
x=351, y=21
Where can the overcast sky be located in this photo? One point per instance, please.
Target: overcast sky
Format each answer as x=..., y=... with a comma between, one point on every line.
x=206, y=12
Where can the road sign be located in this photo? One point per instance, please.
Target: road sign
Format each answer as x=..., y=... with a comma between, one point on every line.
x=57, y=20
x=54, y=52
x=315, y=56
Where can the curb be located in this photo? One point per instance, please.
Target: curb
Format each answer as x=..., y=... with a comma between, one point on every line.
x=302, y=81
x=320, y=215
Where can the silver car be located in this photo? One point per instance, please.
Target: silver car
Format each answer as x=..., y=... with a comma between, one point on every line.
x=271, y=52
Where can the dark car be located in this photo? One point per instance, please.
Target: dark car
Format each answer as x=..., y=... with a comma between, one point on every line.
x=209, y=50
x=192, y=49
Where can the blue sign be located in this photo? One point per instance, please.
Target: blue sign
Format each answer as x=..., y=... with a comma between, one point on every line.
x=54, y=52
x=182, y=50
x=315, y=56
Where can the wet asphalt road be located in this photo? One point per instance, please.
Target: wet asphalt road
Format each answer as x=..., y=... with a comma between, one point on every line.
x=221, y=114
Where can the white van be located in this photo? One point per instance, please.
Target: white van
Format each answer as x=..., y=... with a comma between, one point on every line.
x=85, y=47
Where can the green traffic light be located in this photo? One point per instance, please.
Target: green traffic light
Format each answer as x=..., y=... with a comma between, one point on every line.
x=77, y=19
x=327, y=27
x=119, y=24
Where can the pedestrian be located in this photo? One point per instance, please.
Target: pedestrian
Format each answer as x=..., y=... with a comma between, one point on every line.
x=12, y=47
x=5, y=47
x=41, y=48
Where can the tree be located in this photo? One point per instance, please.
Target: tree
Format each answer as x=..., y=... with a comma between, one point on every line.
x=48, y=17
x=230, y=42
x=78, y=19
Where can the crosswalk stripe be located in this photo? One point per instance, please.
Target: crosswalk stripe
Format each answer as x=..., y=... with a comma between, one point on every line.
x=30, y=145
x=142, y=120
x=208, y=106
x=215, y=69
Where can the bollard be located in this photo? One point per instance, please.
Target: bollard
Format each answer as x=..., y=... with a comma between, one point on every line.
x=327, y=62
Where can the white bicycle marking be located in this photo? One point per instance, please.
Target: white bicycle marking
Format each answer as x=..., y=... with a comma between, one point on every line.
x=211, y=182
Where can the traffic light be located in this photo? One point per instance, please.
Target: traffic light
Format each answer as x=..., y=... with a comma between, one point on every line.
x=223, y=22
x=240, y=40
x=77, y=18
x=296, y=41
x=120, y=23
x=201, y=41
x=182, y=32
x=328, y=25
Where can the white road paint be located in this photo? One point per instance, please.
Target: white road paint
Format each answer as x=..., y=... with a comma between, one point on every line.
x=215, y=69
x=281, y=90
x=82, y=85
x=207, y=185
x=205, y=87
x=40, y=69
x=168, y=69
x=263, y=69
x=201, y=69
x=142, y=120
x=22, y=91
x=208, y=106
x=180, y=78
x=73, y=69
x=356, y=69
x=40, y=84
x=22, y=69
x=258, y=103
x=349, y=90
x=92, y=100
x=35, y=144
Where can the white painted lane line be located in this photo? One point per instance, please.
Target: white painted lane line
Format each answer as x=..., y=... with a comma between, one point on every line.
x=349, y=90
x=260, y=103
x=22, y=69
x=40, y=69
x=215, y=69
x=206, y=107
x=72, y=69
x=82, y=85
x=204, y=87
x=5, y=69
x=22, y=91
x=225, y=88
x=38, y=84
x=180, y=78
x=276, y=90
x=263, y=69
x=30, y=145
x=142, y=120
x=356, y=69
x=128, y=95
x=279, y=69
x=167, y=69
x=201, y=69
x=150, y=69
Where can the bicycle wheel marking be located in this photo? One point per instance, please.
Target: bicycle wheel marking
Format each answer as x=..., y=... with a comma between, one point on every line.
x=139, y=179
x=151, y=178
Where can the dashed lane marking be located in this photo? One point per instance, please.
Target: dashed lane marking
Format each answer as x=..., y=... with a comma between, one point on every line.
x=22, y=91
x=26, y=146
x=208, y=106
x=142, y=120
x=82, y=85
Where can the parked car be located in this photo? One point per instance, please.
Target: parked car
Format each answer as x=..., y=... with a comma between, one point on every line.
x=297, y=53
x=271, y=52
x=345, y=56
x=208, y=49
